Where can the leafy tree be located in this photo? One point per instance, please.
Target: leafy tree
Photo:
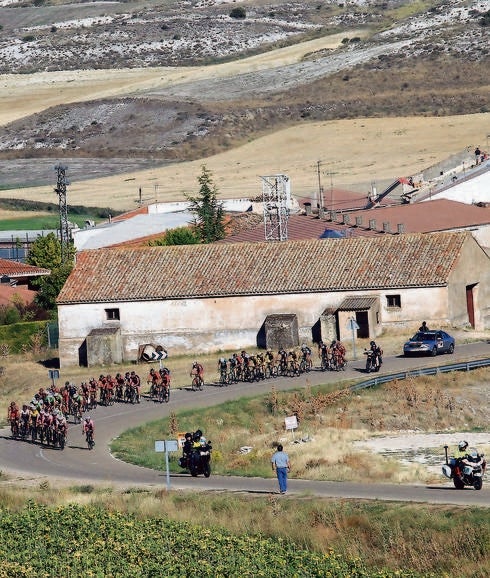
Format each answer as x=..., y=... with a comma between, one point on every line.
x=209, y=219
x=178, y=236
x=46, y=252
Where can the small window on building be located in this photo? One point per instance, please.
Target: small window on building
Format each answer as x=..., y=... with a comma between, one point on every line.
x=112, y=314
x=393, y=301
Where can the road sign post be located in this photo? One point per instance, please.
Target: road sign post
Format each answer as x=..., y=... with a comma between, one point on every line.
x=53, y=374
x=353, y=326
x=167, y=446
x=291, y=423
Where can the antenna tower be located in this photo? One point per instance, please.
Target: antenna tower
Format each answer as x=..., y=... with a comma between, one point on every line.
x=276, y=196
x=60, y=189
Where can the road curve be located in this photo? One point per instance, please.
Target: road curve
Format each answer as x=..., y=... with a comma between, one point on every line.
x=76, y=463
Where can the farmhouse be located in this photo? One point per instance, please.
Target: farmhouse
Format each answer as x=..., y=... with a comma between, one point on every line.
x=225, y=296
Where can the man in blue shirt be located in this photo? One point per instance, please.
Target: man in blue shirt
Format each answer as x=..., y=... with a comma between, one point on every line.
x=280, y=464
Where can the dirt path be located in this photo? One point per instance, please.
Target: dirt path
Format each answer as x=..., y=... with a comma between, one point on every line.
x=23, y=95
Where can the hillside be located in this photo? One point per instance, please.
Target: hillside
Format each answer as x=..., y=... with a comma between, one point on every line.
x=111, y=88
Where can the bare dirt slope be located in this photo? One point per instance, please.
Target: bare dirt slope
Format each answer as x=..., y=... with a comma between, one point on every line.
x=101, y=86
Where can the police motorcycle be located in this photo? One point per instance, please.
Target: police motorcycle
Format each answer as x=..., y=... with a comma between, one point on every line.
x=197, y=455
x=467, y=471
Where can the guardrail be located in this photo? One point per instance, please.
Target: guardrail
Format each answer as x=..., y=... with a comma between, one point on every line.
x=380, y=379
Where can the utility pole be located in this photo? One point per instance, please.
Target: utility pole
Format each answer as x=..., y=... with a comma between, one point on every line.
x=331, y=174
x=61, y=184
x=320, y=190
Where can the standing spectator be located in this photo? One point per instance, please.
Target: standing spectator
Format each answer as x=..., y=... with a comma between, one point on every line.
x=423, y=328
x=281, y=465
x=477, y=155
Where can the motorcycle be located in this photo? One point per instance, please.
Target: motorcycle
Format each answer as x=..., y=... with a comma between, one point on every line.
x=198, y=461
x=467, y=472
x=372, y=362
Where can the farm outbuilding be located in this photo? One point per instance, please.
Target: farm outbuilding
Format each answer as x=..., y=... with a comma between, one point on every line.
x=209, y=297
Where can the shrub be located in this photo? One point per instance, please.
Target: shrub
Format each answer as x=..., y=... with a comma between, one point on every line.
x=485, y=19
x=238, y=12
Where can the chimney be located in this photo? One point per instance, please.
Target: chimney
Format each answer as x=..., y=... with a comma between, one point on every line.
x=372, y=224
x=359, y=221
x=386, y=227
x=308, y=208
x=333, y=215
x=400, y=228
x=346, y=218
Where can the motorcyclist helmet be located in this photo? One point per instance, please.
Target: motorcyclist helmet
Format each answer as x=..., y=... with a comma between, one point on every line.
x=372, y=343
x=462, y=445
x=87, y=419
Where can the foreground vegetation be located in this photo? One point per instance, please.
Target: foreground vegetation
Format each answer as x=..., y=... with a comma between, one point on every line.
x=142, y=532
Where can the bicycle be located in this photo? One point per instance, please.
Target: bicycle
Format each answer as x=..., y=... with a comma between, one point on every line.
x=90, y=439
x=163, y=393
x=197, y=383
x=305, y=365
x=224, y=378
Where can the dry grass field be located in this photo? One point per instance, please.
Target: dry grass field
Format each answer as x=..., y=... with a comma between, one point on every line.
x=373, y=94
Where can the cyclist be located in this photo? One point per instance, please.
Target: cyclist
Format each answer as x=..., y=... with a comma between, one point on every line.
x=282, y=356
x=88, y=428
x=155, y=380
x=338, y=354
x=223, y=368
x=135, y=382
x=34, y=418
x=13, y=417
x=306, y=354
x=25, y=416
x=165, y=375
x=325, y=355
x=197, y=371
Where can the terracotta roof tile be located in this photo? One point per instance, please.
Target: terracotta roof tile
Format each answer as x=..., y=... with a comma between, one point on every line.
x=436, y=215
x=14, y=269
x=149, y=273
x=301, y=227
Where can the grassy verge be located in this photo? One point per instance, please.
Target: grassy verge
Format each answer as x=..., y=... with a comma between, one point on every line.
x=328, y=418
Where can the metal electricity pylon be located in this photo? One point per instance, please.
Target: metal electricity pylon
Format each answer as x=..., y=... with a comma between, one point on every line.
x=61, y=184
x=276, y=196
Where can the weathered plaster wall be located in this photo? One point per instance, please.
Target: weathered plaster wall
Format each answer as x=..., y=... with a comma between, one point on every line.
x=224, y=323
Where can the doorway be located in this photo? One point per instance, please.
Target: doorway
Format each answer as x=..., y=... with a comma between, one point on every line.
x=470, y=303
x=363, y=322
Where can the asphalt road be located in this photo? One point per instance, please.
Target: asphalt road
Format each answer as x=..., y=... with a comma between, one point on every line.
x=77, y=463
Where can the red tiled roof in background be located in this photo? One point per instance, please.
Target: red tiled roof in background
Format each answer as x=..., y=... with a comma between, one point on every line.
x=130, y=214
x=337, y=200
x=300, y=227
x=14, y=269
x=429, y=216
x=218, y=270
x=7, y=293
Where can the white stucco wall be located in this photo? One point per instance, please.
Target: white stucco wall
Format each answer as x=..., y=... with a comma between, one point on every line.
x=475, y=190
x=227, y=323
